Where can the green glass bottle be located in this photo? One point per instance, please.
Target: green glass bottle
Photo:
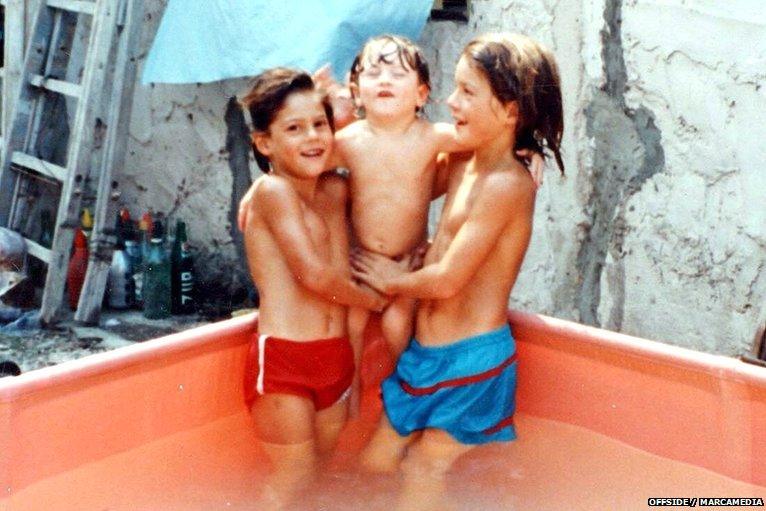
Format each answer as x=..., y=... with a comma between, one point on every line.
x=157, y=287
x=182, y=273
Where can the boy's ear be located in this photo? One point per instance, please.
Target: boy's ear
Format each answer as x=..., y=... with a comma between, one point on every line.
x=511, y=113
x=262, y=142
x=423, y=92
x=354, y=88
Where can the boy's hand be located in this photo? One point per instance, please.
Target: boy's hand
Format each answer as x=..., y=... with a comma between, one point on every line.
x=535, y=164
x=323, y=78
x=377, y=270
x=340, y=96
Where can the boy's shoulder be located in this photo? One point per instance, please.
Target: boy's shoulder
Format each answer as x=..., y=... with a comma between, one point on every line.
x=512, y=184
x=269, y=184
x=270, y=190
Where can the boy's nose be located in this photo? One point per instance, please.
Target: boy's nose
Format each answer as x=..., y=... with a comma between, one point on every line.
x=312, y=132
x=452, y=101
x=386, y=76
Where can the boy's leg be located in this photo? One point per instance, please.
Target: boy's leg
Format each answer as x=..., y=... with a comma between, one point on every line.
x=396, y=324
x=386, y=449
x=424, y=471
x=285, y=425
x=329, y=423
x=357, y=322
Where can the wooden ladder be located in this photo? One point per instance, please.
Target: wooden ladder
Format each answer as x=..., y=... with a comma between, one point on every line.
x=115, y=144
x=113, y=22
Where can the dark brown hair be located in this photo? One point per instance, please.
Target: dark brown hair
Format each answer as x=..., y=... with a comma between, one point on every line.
x=267, y=96
x=409, y=55
x=519, y=69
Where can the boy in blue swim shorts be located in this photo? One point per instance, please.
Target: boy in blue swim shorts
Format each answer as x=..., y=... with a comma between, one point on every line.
x=454, y=386
x=466, y=388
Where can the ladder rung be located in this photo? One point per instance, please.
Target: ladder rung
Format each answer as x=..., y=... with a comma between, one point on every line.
x=73, y=5
x=37, y=250
x=45, y=168
x=60, y=86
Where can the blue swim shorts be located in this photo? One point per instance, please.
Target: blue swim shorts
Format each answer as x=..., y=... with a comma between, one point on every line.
x=467, y=388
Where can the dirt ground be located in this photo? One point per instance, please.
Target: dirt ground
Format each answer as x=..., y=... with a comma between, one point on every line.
x=36, y=348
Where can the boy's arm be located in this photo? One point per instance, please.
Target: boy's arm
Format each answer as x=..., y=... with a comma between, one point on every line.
x=473, y=243
x=280, y=207
x=335, y=188
x=446, y=138
x=337, y=159
x=446, y=142
x=441, y=176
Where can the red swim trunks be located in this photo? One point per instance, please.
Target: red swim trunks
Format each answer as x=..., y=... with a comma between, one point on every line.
x=319, y=370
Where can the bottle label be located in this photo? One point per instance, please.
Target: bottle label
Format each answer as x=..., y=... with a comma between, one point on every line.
x=138, y=285
x=187, y=286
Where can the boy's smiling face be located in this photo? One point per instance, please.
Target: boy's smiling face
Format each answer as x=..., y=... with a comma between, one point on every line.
x=299, y=140
x=388, y=87
x=479, y=116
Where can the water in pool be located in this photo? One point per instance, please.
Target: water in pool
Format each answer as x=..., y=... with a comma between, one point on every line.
x=552, y=466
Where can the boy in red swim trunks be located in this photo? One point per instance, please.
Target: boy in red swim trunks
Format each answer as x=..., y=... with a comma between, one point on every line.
x=301, y=362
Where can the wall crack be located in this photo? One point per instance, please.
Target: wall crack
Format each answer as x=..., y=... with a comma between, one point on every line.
x=620, y=133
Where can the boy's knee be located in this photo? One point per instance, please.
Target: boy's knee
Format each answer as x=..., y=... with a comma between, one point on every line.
x=377, y=459
x=397, y=328
x=419, y=463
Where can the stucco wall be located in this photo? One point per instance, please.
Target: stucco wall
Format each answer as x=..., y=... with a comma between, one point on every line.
x=658, y=228
x=177, y=163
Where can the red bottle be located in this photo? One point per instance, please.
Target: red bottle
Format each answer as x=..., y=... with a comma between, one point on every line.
x=78, y=264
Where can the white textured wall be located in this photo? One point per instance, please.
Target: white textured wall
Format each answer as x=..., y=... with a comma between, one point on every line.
x=177, y=161
x=694, y=265
x=658, y=228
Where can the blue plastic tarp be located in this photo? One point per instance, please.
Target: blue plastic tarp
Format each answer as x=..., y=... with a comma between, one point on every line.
x=205, y=41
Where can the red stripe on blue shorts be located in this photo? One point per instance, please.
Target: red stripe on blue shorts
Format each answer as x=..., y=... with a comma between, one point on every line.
x=508, y=421
x=457, y=382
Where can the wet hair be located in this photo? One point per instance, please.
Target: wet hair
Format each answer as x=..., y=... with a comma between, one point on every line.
x=267, y=95
x=409, y=54
x=519, y=69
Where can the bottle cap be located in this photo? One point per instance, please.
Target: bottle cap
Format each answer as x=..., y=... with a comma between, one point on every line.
x=146, y=223
x=158, y=230
x=86, y=219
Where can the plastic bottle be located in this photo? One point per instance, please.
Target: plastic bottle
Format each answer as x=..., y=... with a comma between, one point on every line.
x=133, y=251
x=146, y=224
x=144, y=234
x=86, y=222
x=157, y=287
x=184, y=301
x=78, y=264
x=119, y=283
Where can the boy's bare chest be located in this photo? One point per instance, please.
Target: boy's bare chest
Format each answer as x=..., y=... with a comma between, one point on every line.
x=459, y=204
x=376, y=159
